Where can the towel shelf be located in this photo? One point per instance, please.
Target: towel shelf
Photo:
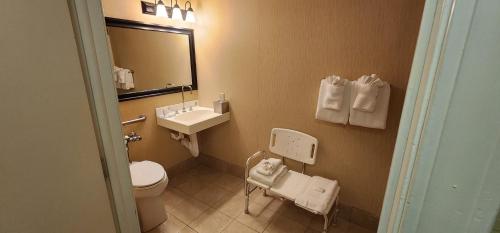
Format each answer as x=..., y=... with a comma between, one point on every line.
x=138, y=119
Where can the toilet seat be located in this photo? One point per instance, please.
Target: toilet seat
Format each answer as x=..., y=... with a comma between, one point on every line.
x=145, y=174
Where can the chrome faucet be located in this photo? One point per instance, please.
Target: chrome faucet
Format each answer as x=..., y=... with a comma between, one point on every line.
x=182, y=89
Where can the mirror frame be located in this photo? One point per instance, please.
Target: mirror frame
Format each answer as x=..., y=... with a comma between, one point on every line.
x=123, y=23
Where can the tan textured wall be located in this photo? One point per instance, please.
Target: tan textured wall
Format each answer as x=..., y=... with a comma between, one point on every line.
x=157, y=58
x=269, y=56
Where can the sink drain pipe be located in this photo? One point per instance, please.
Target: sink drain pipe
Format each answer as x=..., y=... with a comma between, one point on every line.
x=190, y=142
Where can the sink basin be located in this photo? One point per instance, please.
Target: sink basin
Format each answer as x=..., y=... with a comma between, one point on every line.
x=195, y=119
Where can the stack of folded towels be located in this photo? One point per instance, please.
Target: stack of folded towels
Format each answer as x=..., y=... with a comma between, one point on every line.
x=267, y=171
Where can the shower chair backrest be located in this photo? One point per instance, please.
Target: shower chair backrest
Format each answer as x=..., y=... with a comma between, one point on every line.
x=294, y=145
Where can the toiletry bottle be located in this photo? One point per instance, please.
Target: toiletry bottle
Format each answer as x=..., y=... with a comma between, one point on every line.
x=221, y=106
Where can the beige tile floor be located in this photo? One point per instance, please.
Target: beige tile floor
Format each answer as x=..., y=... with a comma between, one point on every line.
x=204, y=200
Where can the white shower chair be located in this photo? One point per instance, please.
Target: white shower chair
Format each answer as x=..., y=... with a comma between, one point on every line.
x=299, y=147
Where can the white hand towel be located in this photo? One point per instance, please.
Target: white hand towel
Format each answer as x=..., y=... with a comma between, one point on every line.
x=334, y=96
x=376, y=119
x=123, y=78
x=368, y=88
x=129, y=80
x=122, y=75
x=268, y=180
x=115, y=73
x=335, y=116
x=268, y=166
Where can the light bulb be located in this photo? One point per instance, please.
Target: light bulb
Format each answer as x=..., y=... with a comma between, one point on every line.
x=190, y=16
x=176, y=13
x=161, y=10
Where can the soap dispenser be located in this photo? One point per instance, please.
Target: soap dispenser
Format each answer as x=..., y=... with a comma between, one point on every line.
x=221, y=106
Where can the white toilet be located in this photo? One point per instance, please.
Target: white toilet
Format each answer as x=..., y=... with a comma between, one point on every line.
x=149, y=180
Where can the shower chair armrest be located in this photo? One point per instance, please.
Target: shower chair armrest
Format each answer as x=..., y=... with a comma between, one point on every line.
x=249, y=160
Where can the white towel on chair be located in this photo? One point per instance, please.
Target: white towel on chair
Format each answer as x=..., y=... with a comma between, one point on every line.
x=376, y=119
x=267, y=180
x=318, y=194
x=267, y=167
x=328, y=102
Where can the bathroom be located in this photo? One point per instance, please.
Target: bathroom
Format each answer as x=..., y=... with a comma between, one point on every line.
x=271, y=79
x=174, y=104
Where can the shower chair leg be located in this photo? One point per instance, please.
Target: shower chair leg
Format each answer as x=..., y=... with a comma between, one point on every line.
x=247, y=197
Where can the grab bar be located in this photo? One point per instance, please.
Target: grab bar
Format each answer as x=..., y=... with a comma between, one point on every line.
x=138, y=119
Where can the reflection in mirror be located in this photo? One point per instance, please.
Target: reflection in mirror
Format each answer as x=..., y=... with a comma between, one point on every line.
x=150, y=59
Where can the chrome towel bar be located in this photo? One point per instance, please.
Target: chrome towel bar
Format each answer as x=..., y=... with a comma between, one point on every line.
x=138, y=119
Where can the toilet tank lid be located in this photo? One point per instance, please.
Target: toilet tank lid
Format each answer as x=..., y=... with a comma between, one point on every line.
x=146, y=173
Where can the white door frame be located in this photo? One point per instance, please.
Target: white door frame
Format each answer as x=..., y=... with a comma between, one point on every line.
x=434, y=28
x=90, y=30
x=444, y=33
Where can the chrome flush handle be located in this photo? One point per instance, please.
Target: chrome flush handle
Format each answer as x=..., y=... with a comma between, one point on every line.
x=132, y=137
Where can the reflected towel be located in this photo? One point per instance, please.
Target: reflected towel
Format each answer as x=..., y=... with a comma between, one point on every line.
x=123, y=78
x=129, y=80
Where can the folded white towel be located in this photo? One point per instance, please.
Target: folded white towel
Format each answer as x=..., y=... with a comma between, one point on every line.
x=123, y=78
x=368, y=88
x=268, y=166
x=267, y=180
x=116, y=69
x=333, y=99
x=318, y=194
x=129, y=80
x=330, y=114
x=376, y=119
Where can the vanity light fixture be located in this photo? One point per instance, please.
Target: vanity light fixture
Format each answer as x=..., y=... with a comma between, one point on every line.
x=174, y=12
x=161, y=9
x=189, y=13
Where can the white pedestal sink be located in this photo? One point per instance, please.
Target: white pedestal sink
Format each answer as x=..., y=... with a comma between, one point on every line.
x=193, y=120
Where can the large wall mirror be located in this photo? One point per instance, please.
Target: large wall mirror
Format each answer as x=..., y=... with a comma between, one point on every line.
x=150, y=60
